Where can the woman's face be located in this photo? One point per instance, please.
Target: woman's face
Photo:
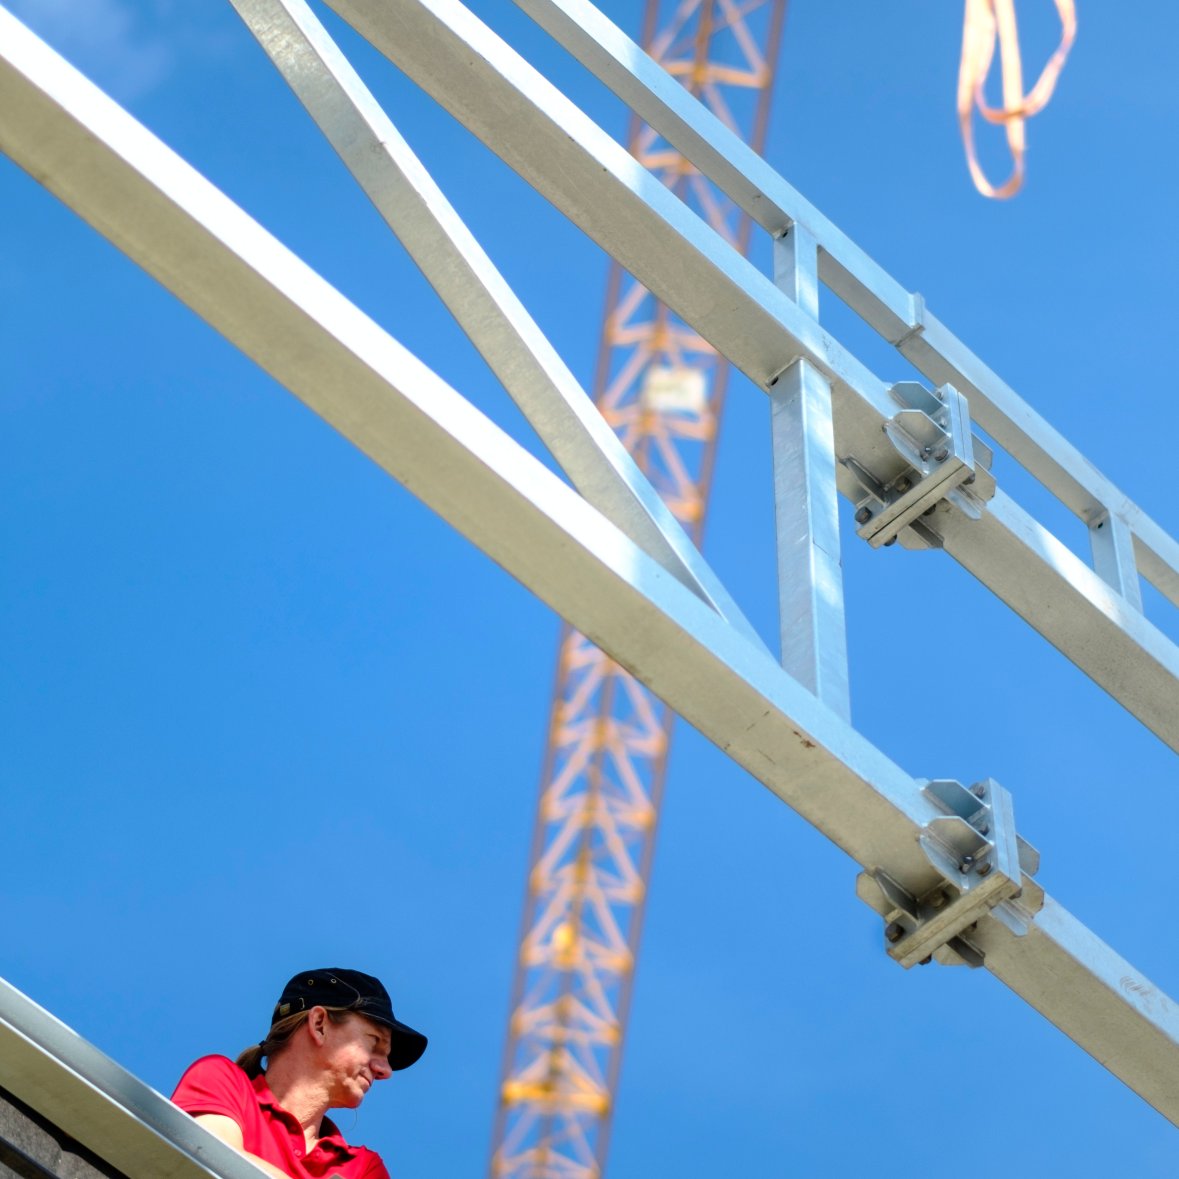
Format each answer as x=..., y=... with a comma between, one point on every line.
x=356, y=1055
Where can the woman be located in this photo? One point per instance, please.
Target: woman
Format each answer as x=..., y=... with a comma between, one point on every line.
x=332, y=1036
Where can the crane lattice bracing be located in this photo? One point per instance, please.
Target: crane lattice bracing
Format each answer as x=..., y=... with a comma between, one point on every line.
x=661, y=388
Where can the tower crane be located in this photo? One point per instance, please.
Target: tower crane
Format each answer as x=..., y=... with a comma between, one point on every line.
x=662, y=389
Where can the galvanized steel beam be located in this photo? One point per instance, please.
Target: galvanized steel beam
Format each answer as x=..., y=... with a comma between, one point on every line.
x=806, y=501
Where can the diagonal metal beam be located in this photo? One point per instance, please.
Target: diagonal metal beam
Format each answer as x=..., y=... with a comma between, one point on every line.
x=204, y=249
x=458, y=268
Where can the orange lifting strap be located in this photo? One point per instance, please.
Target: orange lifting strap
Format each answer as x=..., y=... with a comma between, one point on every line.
x=989, y=22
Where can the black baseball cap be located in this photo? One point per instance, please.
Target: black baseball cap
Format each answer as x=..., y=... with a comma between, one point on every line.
x=353, y=991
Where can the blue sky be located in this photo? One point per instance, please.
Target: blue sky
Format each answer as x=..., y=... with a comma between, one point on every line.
x=262, y=710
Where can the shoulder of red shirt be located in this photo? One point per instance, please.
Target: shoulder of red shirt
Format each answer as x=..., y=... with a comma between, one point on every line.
x=216, y=1080
x=216, y=1085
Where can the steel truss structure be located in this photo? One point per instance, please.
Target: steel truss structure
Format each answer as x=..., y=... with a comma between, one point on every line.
x=943, y=862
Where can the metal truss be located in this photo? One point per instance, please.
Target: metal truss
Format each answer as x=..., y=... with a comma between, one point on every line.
x=942, y=863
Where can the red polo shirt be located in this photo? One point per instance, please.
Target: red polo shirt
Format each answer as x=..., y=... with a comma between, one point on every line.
x=215, y=1085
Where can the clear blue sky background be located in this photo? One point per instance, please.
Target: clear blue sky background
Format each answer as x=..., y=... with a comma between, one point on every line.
x=261, y=710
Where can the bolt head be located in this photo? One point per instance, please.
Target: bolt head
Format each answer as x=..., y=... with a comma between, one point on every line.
x=894, y=931
x=941, y=455
x=985, y=869
x=863, y=515
x=978, y=791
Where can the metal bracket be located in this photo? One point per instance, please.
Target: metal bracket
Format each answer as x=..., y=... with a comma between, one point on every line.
x=931, y=433
x=981, y=862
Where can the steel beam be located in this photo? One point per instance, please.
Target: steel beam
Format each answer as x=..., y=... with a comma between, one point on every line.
x=806, y=500
x=1047, y=584
x=592, y=180
x=1112, y=543
x=474, y=291
x=214, y=257
x=96, y=1101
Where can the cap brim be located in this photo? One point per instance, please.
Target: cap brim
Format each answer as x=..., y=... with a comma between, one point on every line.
x=407, y=1046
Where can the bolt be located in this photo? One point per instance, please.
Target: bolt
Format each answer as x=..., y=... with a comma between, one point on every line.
x=967, y=864
x=890, y=542
x=941, y=455
x=984, y=829
x=929, y=511
x=985, y=869
x=926, y=960
x=903, y=484
x=939, y=395
x=927, y=451
x=894, y=931
x=937, y=900
x=978, y=791
x=863, y=515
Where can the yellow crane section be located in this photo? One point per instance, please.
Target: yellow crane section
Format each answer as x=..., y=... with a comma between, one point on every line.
x=662, y=389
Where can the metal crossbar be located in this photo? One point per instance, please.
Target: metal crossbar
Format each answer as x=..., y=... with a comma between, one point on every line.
x=943, y=863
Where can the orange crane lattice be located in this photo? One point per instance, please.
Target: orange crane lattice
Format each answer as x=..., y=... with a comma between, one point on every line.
x=662, y=389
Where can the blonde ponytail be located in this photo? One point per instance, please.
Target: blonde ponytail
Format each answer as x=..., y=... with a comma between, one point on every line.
x=250, y=1059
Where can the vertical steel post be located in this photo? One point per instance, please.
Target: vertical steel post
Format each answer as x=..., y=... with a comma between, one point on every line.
x=1112, y=543
x=806, y=504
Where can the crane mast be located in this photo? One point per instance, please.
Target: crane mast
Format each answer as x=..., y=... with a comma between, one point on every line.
x=662, y=388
